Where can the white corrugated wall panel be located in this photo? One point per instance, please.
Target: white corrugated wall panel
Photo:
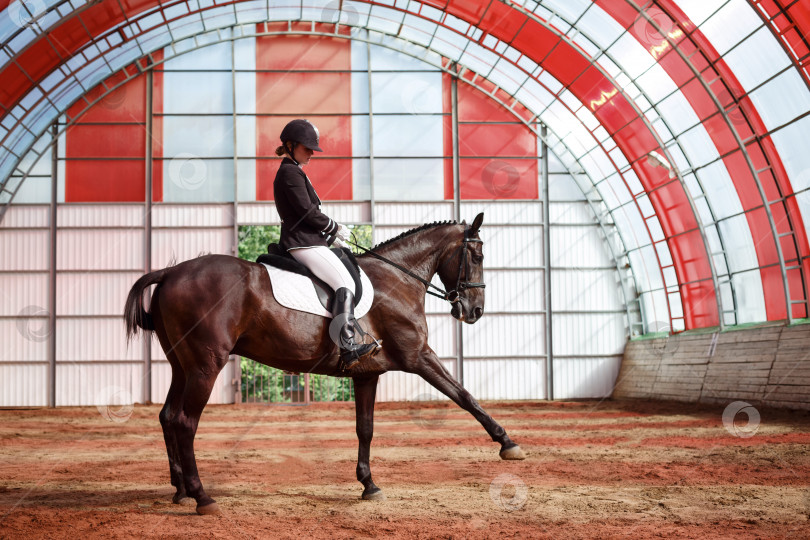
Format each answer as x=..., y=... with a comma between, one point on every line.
x=99, y=249
x=415, y=213
x=93, y=293
x=503, y=212
x=184, y=244
x=509, y=247
x=192, y=215
x=23, y=385
x=100, y=216
x=348, y=212
x=25, y=293
x=578, y=247
x=513, y=290
x=585, y=377
x=381, y=233
x=264, y=213
x=570, y=213
x=157, y=350
x=25, y=339
x=94, y=339
x=223, y=391
x=523, y=378
x=26, y=216
x=99, y=383
x=505, y=335
x=442, y=334
x=584, y=289
x=399, y=386
x=161, y=377
x=588, y=334
x=24, y=249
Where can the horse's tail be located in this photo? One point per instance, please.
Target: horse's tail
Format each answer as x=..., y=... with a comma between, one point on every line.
x=134, y=313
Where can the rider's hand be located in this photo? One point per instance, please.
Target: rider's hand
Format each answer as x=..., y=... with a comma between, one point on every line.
x=340, y=243
x=343, y=233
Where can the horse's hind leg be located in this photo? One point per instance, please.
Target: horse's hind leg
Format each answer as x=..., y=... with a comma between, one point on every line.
x=197, y=390
x=167, y=413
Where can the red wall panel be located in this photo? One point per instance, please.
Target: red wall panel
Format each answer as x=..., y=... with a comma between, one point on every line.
x=306, y=95
x=489, y=132
x=108, y=180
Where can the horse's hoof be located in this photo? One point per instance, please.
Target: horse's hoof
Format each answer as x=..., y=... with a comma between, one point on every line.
x=210, y=509
x=514, y=452
x=377, y=495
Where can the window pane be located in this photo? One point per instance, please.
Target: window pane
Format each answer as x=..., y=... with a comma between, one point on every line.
x=206, y=136
x=412, y=93
x=756, y=59
x=198, y=93
x=187, y=178
x=408, y=179
x=407, y=135
x=782, y=99
x=750, y=298
x=722, y=32
x=739, y=245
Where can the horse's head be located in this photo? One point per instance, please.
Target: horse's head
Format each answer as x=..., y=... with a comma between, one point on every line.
x=462, y=273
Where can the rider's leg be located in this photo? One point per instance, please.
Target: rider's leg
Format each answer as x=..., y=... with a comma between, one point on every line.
x=326, y=265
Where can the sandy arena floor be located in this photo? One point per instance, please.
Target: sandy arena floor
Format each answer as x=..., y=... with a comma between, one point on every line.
x=594, y=470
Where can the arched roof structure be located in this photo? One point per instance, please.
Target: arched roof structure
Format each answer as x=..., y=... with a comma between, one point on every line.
x=682, y=128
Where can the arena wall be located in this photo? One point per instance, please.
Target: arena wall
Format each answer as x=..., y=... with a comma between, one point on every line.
x=766, y=365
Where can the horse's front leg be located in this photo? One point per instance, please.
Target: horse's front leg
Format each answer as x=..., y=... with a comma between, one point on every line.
x=365, y=389
x=431, y=369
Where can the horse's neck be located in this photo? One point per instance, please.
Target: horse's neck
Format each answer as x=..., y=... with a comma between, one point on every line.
x=420, y=252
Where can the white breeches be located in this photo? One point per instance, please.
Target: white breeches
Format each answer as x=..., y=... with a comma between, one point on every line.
x=326, y=265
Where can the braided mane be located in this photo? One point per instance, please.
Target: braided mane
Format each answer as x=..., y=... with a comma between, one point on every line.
x=415, y=230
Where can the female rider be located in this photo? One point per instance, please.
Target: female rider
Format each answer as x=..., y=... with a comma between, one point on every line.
x=306, y=232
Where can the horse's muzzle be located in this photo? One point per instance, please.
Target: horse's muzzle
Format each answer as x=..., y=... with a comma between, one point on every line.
x=462, y=312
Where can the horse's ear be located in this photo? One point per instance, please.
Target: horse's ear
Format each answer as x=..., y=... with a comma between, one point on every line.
x=476, y=224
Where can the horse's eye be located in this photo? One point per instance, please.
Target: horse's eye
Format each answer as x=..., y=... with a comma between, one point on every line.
x=476, y=258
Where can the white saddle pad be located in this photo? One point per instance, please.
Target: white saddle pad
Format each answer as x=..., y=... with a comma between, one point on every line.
x=297, y=292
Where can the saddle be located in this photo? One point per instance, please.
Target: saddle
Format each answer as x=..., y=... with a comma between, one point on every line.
x=278, y=257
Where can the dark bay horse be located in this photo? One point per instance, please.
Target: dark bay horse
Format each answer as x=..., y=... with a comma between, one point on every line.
x=206, y=309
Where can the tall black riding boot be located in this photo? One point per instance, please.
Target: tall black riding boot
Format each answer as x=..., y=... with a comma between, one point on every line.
x=351, y=352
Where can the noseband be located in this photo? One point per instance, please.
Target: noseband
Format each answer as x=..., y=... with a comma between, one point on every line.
x=454, y=295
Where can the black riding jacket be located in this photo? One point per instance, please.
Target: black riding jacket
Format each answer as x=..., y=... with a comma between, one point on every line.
x=302, y=222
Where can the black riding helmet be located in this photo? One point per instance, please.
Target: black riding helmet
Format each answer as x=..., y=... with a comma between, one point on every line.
x=301, y=131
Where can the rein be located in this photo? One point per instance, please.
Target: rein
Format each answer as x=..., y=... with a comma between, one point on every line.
x=452, y=296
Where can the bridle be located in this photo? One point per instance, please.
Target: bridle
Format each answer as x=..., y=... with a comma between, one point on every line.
x=453, y=296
